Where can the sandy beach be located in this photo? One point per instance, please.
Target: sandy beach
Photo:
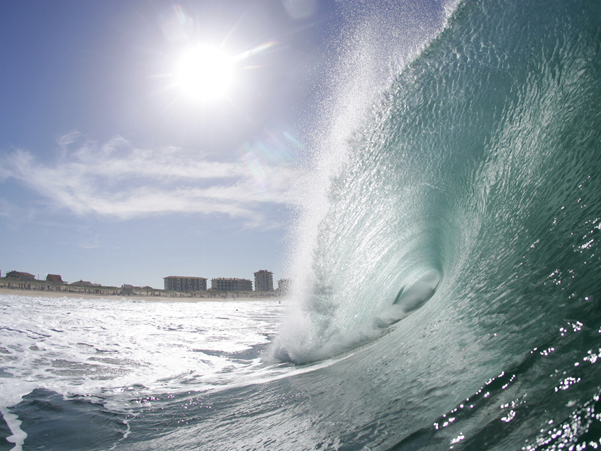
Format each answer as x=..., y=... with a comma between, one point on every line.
x=78, y=295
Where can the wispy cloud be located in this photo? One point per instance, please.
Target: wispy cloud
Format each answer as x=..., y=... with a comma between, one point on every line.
x=117, y=179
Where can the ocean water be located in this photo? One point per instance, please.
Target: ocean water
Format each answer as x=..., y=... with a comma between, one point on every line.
x=447, y=275
x=74, y=373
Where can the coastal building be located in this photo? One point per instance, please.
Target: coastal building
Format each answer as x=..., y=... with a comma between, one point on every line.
x=263, y=280
x=178, y=283
x=84, y=283
x=54, y=278
x=224, y=284
x=127, y=290
x=284, y=286
x=20, y=275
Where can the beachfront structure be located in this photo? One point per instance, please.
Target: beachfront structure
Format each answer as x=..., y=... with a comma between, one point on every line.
x=263, y=280
x=54, y=278
x=20, y=275
x=84, y=283
x=284, y=286
x=177, y=283
x=224, y=284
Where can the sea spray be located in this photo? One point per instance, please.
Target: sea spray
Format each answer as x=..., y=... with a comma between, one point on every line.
x=347, y=193
x=458, y=155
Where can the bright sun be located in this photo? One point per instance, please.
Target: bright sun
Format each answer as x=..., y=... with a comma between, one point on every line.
x=204, y=73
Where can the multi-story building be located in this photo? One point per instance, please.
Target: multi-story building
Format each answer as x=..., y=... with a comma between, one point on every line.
x=263, y=280
x=177, y=283
x=223, y=284
x=284, y=286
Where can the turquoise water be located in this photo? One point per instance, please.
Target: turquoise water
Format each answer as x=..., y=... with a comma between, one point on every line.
x=447, y=269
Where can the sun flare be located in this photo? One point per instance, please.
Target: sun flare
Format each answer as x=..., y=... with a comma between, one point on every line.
x=204, y=73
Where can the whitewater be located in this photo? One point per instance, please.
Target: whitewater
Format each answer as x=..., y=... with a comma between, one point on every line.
x=447, y=271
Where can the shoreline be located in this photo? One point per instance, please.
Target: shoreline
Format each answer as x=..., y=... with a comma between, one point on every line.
x=79, y=295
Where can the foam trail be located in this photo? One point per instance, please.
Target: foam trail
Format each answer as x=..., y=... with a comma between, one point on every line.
x=14, y=424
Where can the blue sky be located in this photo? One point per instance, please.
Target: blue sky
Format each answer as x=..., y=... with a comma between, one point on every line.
x=115, y=169
x=110, y=173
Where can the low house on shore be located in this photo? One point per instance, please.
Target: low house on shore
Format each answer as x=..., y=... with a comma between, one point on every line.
x=55, y=278
x=83, y=283
x=25, y=276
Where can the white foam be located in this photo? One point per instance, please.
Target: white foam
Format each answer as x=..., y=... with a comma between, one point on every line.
x=14, y=424
x=104, y=348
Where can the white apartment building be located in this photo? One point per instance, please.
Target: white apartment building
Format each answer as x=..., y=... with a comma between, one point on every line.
x=232, y=284
x=284, y=286
x=263, y=280
x=178, y=283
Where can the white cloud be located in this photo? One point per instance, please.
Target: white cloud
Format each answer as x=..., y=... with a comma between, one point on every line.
x=121, y=181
